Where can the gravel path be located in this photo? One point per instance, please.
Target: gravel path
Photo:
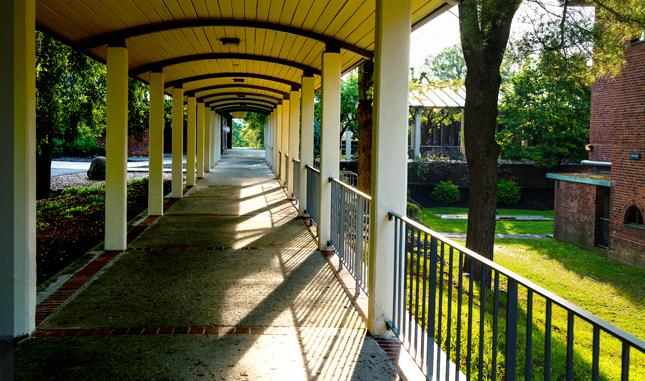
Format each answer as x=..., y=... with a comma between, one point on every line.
x=77, y=179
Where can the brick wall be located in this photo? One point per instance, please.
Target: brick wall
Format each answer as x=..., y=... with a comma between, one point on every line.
x=601, y=120
x=574, y=220
x=628, y=176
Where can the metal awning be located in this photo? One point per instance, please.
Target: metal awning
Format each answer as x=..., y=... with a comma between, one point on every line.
x=259, y=47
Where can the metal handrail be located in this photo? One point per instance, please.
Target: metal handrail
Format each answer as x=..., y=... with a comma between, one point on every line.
x=295, y=161
x=312, y=168
x=351, y=188
x=581, y=313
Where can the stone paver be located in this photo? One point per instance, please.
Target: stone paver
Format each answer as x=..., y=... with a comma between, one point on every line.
x=227, y=285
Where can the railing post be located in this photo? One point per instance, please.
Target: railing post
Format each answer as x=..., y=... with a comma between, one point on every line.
x=389, y=152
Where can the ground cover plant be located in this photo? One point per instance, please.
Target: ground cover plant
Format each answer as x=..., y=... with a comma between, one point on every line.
x=71, y=222
x=431, y=217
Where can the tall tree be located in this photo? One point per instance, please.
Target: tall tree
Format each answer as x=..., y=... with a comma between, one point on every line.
x=485, y=26
x=545, y=111
x=447, y=66
x=484, y=30
x=364, y=112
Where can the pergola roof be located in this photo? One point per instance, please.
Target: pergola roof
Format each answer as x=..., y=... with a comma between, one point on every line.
x=279, y=41
x=437, y=97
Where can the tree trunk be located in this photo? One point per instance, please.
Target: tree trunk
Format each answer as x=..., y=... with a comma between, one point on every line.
x=43, y=171
x=365, y=82
x=484, y=29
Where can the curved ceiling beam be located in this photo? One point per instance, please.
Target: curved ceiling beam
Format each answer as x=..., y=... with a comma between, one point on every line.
x=246, y=109
x=240, y=100
x=242, y=105
x=140, y=30
x=220, y=56
x=182, y=81
x=245, y=104
x=241, y=95
x=235, y=85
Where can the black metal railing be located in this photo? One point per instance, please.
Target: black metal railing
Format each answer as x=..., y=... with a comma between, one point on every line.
x=462, y=316
x=350, y=229
x=279, y=169
x=349, y=178
x=313, y=193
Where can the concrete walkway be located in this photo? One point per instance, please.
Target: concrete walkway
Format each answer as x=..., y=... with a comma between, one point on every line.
x=228, y=285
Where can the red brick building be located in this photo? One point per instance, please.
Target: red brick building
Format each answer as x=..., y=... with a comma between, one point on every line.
x=604, y=206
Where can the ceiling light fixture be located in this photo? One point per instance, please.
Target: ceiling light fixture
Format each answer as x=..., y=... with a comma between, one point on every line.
x=230, y=41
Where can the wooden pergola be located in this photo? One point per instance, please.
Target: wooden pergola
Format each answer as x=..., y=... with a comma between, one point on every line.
x=213, y=57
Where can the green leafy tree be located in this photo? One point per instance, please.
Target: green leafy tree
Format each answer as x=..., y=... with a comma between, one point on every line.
x=447, y=66
x=484, y=31
x=545, y=111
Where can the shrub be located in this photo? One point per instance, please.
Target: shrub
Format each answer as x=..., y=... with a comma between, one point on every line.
x=85, y=146
x=446, y=192
x=508, y=192
x=412, y=210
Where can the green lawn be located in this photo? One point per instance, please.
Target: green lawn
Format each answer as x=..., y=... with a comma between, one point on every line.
x=431, y=218
x=606, y=288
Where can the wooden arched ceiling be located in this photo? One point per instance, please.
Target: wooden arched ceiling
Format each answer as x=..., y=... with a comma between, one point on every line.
x=277, y=38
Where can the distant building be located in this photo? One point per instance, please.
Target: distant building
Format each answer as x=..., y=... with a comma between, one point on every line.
x=604, y=206
x=445, y=139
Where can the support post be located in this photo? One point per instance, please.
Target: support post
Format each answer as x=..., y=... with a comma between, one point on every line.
x=18, y=168
x=177, y=142
x=279, y=152
x=116, y=149
x=201, y=119
x=389, y=169
x=417, y=133
x=306, y=138
x=285, y=143
x=155, y=144
x=329, y=138
x=462, y=141
x=218, y=138
x=208, y=142
x=191, y=143
x=294, y=137
x=348, y=145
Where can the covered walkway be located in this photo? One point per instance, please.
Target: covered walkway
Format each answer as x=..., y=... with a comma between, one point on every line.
x=228, y=284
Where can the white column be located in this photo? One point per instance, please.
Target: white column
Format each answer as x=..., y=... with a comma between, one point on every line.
x=155, y=142
x=208, y=141
x=201, y=119
x=348, y=145
x=116, y=149
x=218, y=137
x=389, y=147
x=306, y=138
x=191, y=144
x=276, y=138
x=18, y=168
x=329, y=139
x=285, y=142
x=417, y=133
x=177, y=142
x=278, y=144
x=294, y=136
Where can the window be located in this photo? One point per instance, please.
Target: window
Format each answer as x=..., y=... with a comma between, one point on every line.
x=634, y=217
